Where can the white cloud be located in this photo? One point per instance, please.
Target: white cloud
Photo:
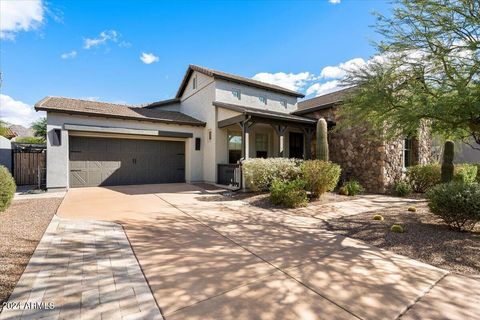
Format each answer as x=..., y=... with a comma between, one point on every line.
x=323, y=88
x=148, y=58
x=69, y=55
x=292, y=81
x=340, y=70
x=334, y=1
x=17, y=112
x=19, y=16
x=103, y=38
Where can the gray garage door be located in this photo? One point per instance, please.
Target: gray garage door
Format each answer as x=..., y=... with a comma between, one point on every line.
x=108, y=162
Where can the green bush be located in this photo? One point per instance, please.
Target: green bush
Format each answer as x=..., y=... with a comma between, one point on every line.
x=378, y=217
x=478, y=172
x=353, y=187
x=412, y=209
x=291, y=194
x=30, y=140
x=396, y=228
x=458, y=204
x=402, y=188
x=259, y=173
x=7, y=188
x=465, y=173
x=320, y=176
x=423, y=177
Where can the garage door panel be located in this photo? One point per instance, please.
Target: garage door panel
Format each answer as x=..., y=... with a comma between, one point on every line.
x=108, y=161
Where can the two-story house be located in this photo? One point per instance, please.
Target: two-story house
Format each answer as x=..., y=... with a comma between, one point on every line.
x=215, y=120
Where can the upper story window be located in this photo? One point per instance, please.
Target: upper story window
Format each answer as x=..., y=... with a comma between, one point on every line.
x=283, y=103
x=194, y=83
x=263, y=99
x=236, y=93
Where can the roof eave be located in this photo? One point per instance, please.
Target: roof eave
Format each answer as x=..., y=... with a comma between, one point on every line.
x=166, y=121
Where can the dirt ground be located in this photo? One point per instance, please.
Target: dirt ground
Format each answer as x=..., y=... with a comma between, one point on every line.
x=425, y=238
x=21, y=228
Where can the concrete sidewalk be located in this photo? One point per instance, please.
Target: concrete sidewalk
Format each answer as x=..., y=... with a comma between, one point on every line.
x=211, y=258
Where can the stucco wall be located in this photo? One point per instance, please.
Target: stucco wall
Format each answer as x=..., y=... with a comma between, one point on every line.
x=250, y=97
x=198, y=104
x=6, y=153
x=57, y=156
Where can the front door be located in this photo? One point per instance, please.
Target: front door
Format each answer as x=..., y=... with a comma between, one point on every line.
x=296, y=145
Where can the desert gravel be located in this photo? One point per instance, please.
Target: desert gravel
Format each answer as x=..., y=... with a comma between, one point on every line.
x=21, y=228
x=425, y=238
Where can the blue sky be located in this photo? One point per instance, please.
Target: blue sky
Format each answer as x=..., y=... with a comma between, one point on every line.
x=93, y=49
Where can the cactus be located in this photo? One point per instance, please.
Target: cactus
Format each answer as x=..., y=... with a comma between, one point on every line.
x=322, y=142
x=447, y=163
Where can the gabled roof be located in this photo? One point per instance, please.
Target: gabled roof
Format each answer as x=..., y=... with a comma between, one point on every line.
x=112, y=110
x=234, y=78
x=264, y=113
x=322, y=102
x=162, y=103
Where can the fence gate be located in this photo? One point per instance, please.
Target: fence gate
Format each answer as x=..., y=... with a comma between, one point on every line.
x=29, y=167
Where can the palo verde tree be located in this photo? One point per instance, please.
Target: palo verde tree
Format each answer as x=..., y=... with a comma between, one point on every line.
x=427, y=68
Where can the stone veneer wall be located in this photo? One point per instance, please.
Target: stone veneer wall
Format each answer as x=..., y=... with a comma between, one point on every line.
x=375, y=163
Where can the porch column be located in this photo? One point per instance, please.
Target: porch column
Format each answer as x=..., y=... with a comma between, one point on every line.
x=246, y=126
x=308, y=132
x=280, y=130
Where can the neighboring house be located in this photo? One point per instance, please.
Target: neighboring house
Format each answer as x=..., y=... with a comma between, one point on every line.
x=375, y=163
x=215, y=120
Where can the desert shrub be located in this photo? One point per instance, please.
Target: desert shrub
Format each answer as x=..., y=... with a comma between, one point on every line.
x=465, y=173
x=396, y=228
x=7, y=188
x=353, y=187
x=320, y=176
x=412, y=209
x=458, y=204
x=259, y=173
x=378, y=217
x=402, y=188
x=343, y=191
x=423, y=177
x=291, y=194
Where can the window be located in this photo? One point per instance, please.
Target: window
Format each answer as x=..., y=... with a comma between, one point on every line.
x=261, y=145
x=263, y=99
x=234, y=147
x=283, y=103
x=194, y=83
x=236, y=94
x=197, y=144
x=407, y=152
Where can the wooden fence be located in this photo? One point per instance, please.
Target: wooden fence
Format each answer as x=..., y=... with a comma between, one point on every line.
x=29, y=167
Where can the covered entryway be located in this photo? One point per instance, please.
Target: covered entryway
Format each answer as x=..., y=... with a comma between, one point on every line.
x=114, y=161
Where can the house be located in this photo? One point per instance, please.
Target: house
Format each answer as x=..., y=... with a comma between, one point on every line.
x=195, y=137
x=376, y=163
x=215, y=120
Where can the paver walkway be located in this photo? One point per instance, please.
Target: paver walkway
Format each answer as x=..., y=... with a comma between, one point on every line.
x=210, y=258
x=82, y=270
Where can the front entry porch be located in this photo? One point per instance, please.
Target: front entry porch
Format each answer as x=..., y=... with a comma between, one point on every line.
x=256, y=133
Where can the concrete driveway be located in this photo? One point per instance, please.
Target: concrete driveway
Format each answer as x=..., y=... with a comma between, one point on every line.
x=205, y=257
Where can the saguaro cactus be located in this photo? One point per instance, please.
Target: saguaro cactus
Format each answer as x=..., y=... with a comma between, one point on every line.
x=322, y=141
x=447, y=163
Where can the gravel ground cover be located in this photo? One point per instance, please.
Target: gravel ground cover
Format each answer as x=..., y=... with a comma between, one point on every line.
x=21, y=228
x=425, y=238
